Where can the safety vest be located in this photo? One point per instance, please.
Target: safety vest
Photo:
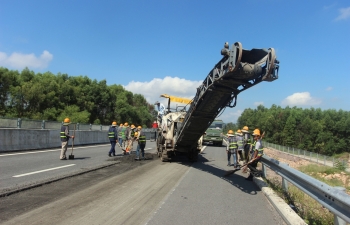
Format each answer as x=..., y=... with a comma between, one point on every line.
x=232, y=143
x=142, y=138
x=240, y=142
x=132, y=133
x=247, y=139
x=120, y=134
x=260, y=150
x=123, y=132
x=64, y=137
x=111, y=133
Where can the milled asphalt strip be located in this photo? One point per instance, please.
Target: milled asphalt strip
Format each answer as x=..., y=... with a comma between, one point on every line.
x=30, y=186
x=41, y=171
x=55, y=150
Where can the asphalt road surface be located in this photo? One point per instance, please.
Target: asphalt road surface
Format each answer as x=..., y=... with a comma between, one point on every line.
x=138, y=192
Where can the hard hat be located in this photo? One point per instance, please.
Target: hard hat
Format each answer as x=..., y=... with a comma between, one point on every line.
x=132, y=126
x=139, y=127
x=121, y=125
x=256, y=132
x=245, y=128
x=239, y=131
x=135, y=135
x=156, y=103
x=126, y=124
x=66, y=120
x=230, y=132
x=114, y=124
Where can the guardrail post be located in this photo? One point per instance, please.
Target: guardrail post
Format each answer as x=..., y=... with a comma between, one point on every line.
x=338, y=220
x=77, y=126
x=284, y=184
x=43, y=124
x=19, y=123
x=263, y=168
x=90, y=126
x=101, y=127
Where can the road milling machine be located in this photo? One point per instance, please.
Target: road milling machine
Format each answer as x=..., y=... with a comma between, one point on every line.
x=181, y=129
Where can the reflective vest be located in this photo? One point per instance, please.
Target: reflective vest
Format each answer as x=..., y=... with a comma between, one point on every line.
x=112, y=134
x=132, y=133
x=120, y=134
x=247, y=138
x=232, y=143
x=142, y=138
x=123, y=132
x=260, y=150
x=240, y=142
x=63, y=135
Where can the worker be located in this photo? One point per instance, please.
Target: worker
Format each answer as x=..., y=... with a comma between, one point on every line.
x=131, y=138
x=239, y=137
x=141, y=140
x=246, y=143
x=120, y=135
x=126, y=137
x=113, y=138
x=231, y=148
x=256, y=155
x=161, y=112
x=65, y=138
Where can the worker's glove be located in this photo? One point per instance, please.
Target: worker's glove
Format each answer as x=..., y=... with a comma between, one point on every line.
x=72, y=137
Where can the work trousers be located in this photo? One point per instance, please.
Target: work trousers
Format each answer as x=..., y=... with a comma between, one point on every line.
x=112, y=150
x=234, y=156
x=64, y=149
x=120, y=140
x=240, y=153
x=142, y=148
x=246, y=152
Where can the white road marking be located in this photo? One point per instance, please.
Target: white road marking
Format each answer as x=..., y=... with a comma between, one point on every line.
x=25, y=153
x=40, y=171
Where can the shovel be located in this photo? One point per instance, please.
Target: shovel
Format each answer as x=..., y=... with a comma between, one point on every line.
x=71, y=156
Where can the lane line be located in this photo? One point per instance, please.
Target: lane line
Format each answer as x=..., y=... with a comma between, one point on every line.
x=25, y=153
x=40, y=171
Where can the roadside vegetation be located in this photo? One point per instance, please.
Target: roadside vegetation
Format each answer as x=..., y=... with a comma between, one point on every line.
x=47, y=96
x=307, y=208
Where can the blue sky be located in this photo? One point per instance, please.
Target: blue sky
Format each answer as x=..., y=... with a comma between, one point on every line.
x=157, y=46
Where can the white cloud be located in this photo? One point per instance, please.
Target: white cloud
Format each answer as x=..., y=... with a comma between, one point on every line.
x=301, y=99
x=175, y=86
x=20, y=61
x=344, y=13
x=329, y=88
x=258, y=103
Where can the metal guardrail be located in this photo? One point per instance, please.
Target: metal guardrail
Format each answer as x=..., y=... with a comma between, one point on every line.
x=334, y=199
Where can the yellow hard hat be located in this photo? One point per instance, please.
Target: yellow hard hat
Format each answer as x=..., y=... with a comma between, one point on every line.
x=139, y=127
x=66, y=120
x=245, y=128
x=114, y=123
x=121, y=125
x=256, y=132
x=239, y=131
x=126, y=124
x=230, y=132
x=132, y=126
x=135, y=134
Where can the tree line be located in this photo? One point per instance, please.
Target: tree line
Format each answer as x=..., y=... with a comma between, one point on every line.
x=46, y=96
x=322, y=131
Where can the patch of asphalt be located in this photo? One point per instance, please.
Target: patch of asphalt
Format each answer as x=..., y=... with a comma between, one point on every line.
x=110, y=162
x=23, y=199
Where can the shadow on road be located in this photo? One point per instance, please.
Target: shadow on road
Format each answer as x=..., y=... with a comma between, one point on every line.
x=229, y=176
